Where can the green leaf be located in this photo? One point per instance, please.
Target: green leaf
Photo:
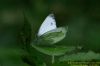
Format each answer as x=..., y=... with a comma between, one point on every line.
x=81, y=57
x=60, y=64
x=52, y=37
x=54, y=50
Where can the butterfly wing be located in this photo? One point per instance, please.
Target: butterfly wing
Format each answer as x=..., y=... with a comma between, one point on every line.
x=48, y=24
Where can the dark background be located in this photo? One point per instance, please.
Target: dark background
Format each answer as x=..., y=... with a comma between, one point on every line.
x=21, y=19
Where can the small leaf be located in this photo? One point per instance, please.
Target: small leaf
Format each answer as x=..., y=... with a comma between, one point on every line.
x=80, y=57
x=54, y=50
x=52, y=37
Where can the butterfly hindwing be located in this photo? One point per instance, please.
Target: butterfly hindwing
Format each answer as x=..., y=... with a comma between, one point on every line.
x=52, y=37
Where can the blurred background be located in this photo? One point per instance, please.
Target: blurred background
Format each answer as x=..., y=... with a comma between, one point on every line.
x=21, y=19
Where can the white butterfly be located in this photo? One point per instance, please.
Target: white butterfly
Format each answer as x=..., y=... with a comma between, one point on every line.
x=48, y=24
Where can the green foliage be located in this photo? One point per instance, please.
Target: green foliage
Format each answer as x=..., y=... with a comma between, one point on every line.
x=81, y=56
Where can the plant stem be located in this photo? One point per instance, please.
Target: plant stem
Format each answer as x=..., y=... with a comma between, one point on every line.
x=53, y=59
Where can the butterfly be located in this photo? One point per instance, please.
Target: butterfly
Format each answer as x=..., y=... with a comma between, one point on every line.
x=49, y=33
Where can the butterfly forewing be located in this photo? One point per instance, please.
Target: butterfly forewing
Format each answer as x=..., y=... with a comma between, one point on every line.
x=48, y=24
